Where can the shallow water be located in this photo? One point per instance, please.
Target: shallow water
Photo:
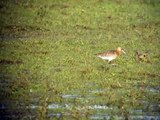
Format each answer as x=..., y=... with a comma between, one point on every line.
x=149, y=111
x=103, y=112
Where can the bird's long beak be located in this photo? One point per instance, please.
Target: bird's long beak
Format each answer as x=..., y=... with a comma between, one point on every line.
x=123, y=51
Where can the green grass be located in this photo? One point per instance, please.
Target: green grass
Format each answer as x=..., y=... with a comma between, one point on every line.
x=49, y=50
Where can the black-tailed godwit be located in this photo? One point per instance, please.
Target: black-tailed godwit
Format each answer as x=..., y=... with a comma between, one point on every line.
x=111, y=54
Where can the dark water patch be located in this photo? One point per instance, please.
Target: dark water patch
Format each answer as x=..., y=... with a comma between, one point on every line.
x=147, y=24
x=22, y=28
x=2, y=106
x=39, y=52
x=14, y=32
x=83, y=27
x=10, y=62
x=9, y=113
x=61, y=6
x=152, y=74
x=12, y=37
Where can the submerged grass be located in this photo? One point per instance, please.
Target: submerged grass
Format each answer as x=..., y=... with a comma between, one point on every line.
x=48, y=50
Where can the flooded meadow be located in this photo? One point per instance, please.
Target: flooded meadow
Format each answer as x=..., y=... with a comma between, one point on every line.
x=48, y=64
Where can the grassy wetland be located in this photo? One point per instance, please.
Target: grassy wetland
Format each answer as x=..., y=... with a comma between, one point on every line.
x=48, y=67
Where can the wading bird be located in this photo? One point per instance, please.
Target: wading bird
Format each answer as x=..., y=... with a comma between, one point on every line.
x=111, y=54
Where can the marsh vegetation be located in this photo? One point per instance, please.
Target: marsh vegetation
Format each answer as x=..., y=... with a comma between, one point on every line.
x=48, y=67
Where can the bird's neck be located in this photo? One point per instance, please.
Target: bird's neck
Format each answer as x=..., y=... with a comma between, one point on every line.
x=118, y=53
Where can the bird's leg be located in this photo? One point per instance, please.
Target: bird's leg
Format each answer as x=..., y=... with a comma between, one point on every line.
x=109, y=62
